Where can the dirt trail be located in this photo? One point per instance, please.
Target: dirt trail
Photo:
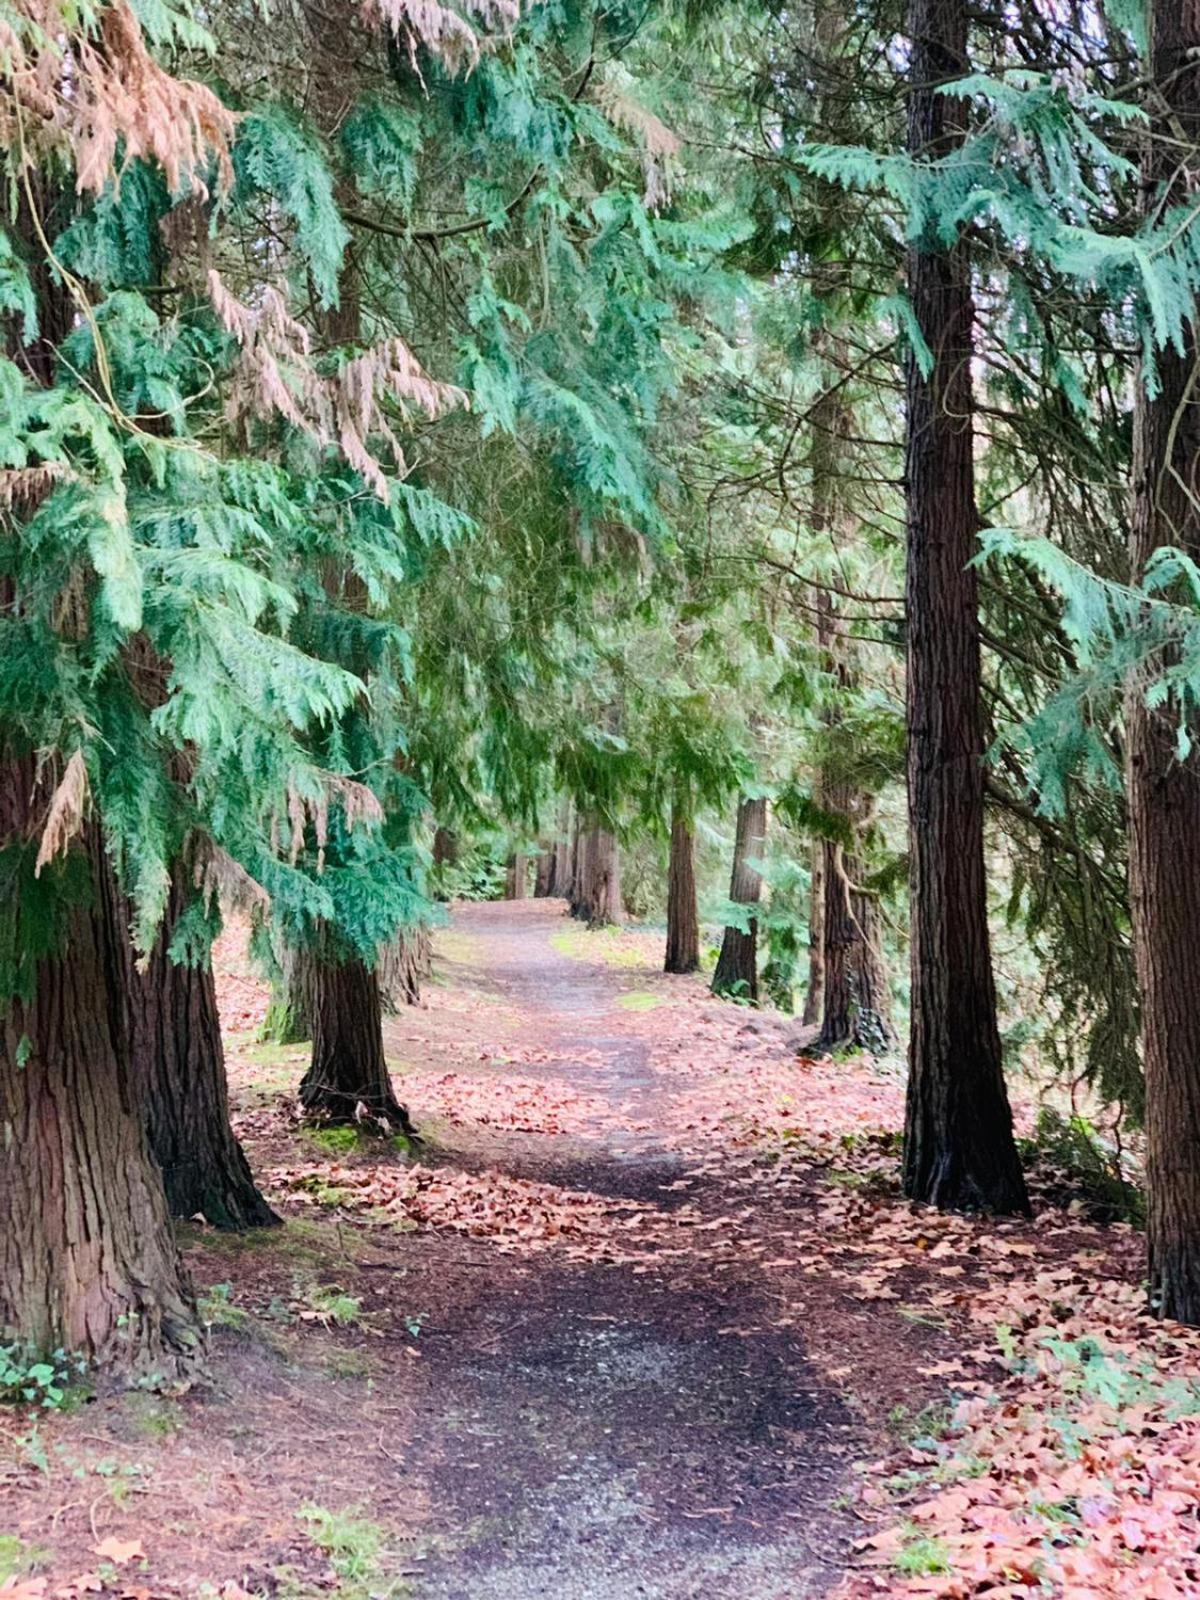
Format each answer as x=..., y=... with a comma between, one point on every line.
x=598, y=1432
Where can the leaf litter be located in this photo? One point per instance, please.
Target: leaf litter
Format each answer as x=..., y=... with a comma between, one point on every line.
x=1061, y=1453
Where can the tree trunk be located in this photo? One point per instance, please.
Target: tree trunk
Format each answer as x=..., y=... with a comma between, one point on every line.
x=445, y=854
x=179, y=1064
x=737, y=965
x=348, y=1080
x=574, y=887
x=402, y=966
x=1164, y=792
x=683, y=921
x=561, y=873
x=856, y=1006
x=543, y=878
x=959, y=1148
x=854, y=1009
x=289, y=1015
x=598, y=887
x=814, y=997
x=516, y=880
x=596, y=878
x=87, y=1260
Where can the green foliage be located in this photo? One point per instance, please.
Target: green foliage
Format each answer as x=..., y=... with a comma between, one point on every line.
x=31, y=1378
x=921, y=1556
x=357, y=1551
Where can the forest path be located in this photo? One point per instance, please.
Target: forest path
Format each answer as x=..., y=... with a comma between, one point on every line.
x=598, y=1430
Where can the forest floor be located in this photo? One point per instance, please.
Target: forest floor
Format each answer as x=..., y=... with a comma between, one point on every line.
x=645, y=1317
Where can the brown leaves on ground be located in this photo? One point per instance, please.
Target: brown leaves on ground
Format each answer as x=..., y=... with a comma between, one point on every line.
x=516, y=1215
x=521, y=1105
x=1062, y=1453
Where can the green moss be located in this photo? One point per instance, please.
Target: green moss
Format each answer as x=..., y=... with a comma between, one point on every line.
x=335, y=1141
x=639, y=1000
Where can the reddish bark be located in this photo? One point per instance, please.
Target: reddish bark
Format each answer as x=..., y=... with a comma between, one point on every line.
x=348, y=1080
x=179, y=1063
x=87, y=1259
x=737, y=965
x=1164, y=793
x=959, y=1148
x=683, y=921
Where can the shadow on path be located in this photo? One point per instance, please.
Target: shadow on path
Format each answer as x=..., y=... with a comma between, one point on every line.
x=601, y=1432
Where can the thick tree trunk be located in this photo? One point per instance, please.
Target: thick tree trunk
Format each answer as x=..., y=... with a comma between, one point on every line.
x=854, y=990
x=597, y=898
x=814, y=997
x=445, y=854
x=87, y=1260
x=604, y=880
x=402, y=967
x=737, y=965
x=179, y=1067
x=959, y=1147
x=289, y=1015
x=856, y=1006
x=516, y=878
x=1164, y=793
x=683, y=921
x=543, y=878
x=348, y=1080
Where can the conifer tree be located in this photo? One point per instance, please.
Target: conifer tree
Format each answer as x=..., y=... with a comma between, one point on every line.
x=959, y=1149
x=737, y=965
x=1164, y=790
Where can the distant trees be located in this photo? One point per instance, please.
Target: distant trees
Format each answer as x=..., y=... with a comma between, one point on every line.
x=737, y=965
x=218, y=684
x=683, y=918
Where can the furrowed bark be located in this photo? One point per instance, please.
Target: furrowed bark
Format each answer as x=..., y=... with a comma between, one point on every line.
x=516, y=878
x=597, y=879
x=348, y=1080
x=1164, y=792
x=87, y=1259
x=683, y=922
x=402, y=967
x=543, y=879
x=856, y=1006
x=179, y=1065
x=814, y=996
x=959, y=1148
x=737, y=965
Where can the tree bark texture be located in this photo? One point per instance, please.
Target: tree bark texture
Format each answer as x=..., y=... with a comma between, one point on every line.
x=814, y=995
x=683, y=920
x=597, y=887
x=445, y=853
x=855, y=1008
x=406, y=962
x=1164, y=792
x=560, y=881
x=516, y=877
x=737, y=965
x=87, y=1259
x=348, y=1080
x=959, y=1147
x=856, y=1004
x=179, y=1067
x=543, y=877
